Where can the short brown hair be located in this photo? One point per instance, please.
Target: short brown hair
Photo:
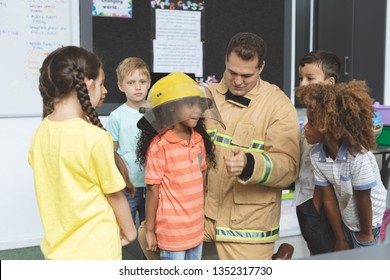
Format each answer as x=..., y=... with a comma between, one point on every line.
x=247, y=46
x=129, y=65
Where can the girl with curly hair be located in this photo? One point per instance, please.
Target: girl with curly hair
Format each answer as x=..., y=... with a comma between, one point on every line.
x=175, y=147
x=345, y=170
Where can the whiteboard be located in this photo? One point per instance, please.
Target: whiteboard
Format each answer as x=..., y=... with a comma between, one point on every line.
x=29, y=30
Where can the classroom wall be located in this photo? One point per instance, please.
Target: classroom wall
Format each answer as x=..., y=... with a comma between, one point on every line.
x=20, y=225
x=220, y=21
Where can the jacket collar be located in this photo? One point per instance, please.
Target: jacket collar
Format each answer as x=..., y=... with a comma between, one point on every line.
x=241, y=101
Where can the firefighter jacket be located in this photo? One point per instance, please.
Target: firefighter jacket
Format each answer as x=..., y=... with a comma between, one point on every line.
x=264, y=123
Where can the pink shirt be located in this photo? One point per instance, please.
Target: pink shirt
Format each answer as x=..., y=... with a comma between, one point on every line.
x=177, y=166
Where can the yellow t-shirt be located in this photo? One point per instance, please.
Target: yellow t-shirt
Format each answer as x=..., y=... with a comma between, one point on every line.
x=74, y=167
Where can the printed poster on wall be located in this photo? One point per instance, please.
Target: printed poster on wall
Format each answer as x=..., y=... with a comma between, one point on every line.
x=112, y=8
x=178, y=42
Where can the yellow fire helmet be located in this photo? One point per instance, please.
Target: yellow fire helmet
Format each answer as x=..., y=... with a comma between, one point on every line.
x=174, y=90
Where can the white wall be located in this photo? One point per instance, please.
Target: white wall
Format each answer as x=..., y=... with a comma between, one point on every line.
x=20, y=225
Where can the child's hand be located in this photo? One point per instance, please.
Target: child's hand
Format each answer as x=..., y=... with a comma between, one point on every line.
x=365, y=237
x=151, y=240
x=125, y=241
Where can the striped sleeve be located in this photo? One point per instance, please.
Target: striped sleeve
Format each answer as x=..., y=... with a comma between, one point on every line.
x=155, y=164
x=363, y=171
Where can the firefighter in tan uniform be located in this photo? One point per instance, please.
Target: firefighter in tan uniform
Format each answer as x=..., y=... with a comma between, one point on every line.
x=257, y=156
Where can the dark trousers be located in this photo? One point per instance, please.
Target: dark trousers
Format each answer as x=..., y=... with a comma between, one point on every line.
x=315, y=228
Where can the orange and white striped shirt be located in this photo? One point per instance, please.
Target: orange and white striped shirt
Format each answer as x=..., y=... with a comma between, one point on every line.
x=176, y=166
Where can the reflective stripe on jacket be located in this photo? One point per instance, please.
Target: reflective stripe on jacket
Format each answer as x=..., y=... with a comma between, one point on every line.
x=268, y=128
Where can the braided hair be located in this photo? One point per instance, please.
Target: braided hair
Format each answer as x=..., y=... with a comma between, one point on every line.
x=63, y=71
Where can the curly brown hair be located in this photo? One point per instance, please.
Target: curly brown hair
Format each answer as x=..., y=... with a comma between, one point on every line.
x=342, y=112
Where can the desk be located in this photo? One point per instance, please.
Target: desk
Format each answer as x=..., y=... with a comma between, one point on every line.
x=385, y=168
x=380, y=252
x=382, y=150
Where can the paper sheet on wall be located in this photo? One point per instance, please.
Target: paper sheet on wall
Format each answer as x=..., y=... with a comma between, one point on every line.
x=177, y=25
x=112, y=8
x=178, y=45
x=184, y=56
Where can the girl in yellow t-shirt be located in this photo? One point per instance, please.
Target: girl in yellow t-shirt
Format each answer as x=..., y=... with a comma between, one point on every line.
x=84, y=212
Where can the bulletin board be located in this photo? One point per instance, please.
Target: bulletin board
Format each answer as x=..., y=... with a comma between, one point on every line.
x=116, y=38
x=29, y=30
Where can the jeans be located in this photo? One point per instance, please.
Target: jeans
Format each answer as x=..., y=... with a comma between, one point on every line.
x=190, y=254
x=137, y=203
x=351, y=237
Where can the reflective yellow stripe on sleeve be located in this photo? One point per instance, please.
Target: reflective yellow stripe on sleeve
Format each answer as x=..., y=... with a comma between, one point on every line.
x=267, y=169
x=254, y=146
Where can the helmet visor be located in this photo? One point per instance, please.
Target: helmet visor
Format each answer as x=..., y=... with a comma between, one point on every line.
x=168, y=114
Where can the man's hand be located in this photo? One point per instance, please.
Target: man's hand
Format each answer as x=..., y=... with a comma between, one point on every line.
x=236, y=163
